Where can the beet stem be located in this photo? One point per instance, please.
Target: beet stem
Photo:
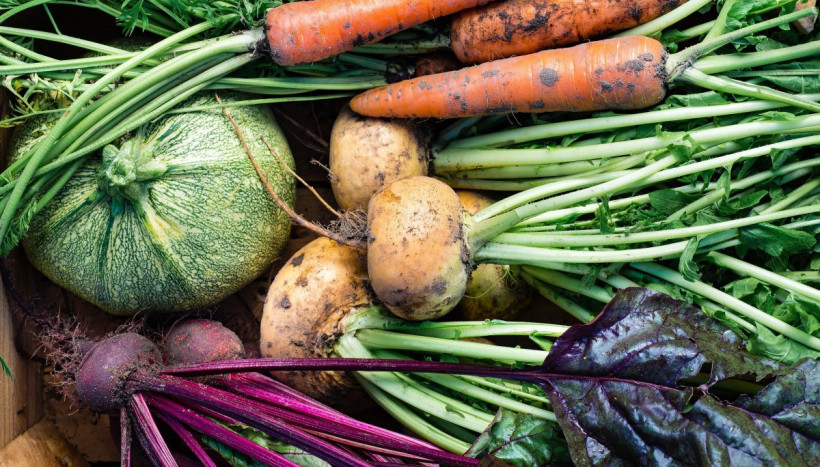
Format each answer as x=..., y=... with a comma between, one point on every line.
x=125, y=438
x=351, y=364
x=150, y=437
x=218, y=432
x=250, y=412
x=348, y=430
x=188, y=439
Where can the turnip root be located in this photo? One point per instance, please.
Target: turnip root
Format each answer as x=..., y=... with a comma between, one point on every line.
x=318, y=305
x=492, y=292
x=305, y=311
x=417, y=255
x=366, y=153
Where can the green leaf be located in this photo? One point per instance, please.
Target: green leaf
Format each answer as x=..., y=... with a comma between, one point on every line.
x=522, y=440
x=775, y=240
x=237, y=459
x=604, y=216
x=686, y=266
x=778, y=347
x=6, y=368
x=733, y=206
x=669, y=201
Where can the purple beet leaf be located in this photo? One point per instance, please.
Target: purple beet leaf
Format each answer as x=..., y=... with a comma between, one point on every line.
x=615, y=387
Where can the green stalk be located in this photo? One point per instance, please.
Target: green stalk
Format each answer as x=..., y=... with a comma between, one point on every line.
x=722, y=63
x=778, y=280
x=694, y=76
x=561, y=239
x=719, y=26
x=596, y=124
x=64, y=123
x=680, y=61
x=411, y=420
x=485, y=229
x=377, y=339
x=468, y=159
x=412, y=394
x=568, y=283
x=689, y=169
x=500, y=253
x=665, y=21
x=732, y=303
x=466, y=388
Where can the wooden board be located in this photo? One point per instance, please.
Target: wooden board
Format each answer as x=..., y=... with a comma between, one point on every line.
x=21, y=398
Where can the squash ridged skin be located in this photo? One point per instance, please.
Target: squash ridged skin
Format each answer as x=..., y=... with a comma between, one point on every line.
x=203, y=230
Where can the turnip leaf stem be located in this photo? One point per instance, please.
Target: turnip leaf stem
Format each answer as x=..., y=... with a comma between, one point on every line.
x=572, y=308
x=560, y=239
x=713, y=64
x=678, y=62
x=742, y=88
x=412, y=394
x=467, y=159
x=773, y=278
x=373, y=338
x=668, y=175
x=733, y=303
x=485, y=229
x=603, y=123
x=461, y=386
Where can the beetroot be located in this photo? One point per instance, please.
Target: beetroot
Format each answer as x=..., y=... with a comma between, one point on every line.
x=105, y=369
x=200, y=341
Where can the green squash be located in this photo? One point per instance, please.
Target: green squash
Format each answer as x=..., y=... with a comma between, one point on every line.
x=171, y=218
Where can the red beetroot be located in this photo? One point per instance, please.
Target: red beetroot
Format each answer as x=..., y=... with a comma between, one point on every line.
x=104, y=370
x=201, y=340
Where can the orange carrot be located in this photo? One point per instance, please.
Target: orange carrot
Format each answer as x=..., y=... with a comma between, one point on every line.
x=623, y=73
x=520, y=27
x=304, y=32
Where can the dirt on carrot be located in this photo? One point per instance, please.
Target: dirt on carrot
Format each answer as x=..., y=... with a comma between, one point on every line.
x=520, y=27
x=623, y=73
x=304, y=32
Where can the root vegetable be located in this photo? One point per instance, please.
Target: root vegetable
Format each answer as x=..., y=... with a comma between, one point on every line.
x=105, y=369
x=493, y=291
x=306, y=306
x=621, y=73
x=304, y=32
x=366, y=153
x=519, y=27
x=317, y=306
x=417, y=254
x=201, y=340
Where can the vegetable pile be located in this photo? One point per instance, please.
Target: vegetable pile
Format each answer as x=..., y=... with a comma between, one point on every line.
x=663, y=169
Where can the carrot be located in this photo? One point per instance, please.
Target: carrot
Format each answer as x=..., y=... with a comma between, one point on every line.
x=519, y=27
x=621, y=73
x=625, y=73
x=304, y=32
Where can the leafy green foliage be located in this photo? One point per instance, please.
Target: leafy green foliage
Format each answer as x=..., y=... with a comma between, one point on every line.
x=522, y=440
x=237, y=459
x=775, y=240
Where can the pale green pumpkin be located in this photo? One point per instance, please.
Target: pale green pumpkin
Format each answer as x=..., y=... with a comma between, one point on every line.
x=171, y=218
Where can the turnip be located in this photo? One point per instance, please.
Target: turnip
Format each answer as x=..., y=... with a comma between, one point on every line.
x=493, y=291
x=319, y=305
x=366, y=153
